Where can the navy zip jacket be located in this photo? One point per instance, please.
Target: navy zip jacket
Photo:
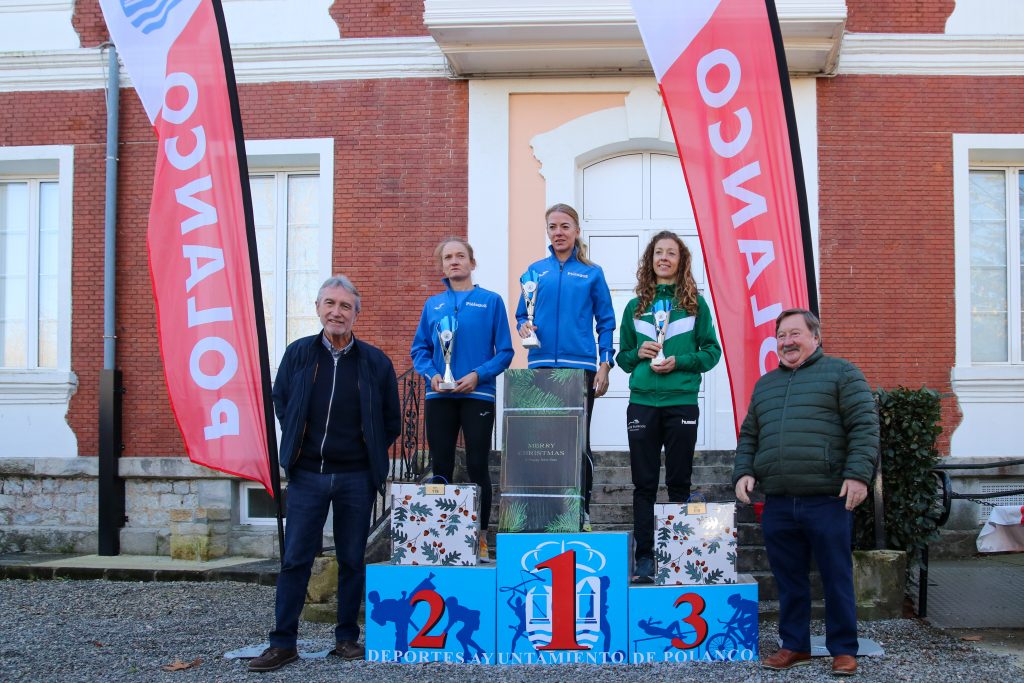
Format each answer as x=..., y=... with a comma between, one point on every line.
x=572, y=299
x=482, y=341
x=378, y=401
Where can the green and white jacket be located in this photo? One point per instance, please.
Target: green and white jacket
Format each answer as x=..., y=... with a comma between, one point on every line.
x=691, y=339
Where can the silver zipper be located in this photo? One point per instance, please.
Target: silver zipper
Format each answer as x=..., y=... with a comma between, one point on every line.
x=330, y=403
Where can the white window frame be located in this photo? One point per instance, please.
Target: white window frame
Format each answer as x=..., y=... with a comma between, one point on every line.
x=1011, y=179
x=243, y=505
x=990, y=395
x=310, y=155
x=35, y=385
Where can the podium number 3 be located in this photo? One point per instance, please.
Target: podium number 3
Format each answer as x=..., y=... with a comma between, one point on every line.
x=436, y=604
x=694, y=620
x=563, y=602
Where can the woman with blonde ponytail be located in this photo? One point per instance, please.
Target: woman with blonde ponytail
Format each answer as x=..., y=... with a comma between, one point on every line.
x=572, y=301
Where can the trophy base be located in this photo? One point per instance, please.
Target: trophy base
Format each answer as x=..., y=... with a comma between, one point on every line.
x=446, y=386
x=531, y=343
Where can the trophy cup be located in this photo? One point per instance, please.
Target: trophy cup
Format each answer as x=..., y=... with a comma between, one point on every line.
x=529, y=283
x=662, y=310
x=446, y=327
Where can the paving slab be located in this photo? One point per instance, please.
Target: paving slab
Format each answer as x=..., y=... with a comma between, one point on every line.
x=980, y=592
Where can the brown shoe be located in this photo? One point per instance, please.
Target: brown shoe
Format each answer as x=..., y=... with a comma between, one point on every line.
x=844, y=665
x=349, y=650
x=786, y=659
x=273, y=658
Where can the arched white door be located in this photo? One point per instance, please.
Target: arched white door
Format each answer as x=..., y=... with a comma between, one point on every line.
x=626, y=199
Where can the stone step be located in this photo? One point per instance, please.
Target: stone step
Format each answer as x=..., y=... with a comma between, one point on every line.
x=623, y=493
x=621, y=458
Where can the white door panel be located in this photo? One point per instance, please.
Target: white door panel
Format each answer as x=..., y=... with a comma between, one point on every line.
x=669, y=199
x=615, y=187
x=625, y=201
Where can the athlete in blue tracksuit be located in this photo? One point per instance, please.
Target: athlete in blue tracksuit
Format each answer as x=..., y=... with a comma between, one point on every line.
x=481, y=350
x=572, y=301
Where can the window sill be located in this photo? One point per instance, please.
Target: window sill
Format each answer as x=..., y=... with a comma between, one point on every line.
x=36, y=387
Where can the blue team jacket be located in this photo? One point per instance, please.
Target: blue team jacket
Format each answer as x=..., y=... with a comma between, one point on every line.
x=482, y=340
x=572, y=299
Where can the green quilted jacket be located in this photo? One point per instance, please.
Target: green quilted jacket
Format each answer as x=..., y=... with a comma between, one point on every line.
x=809, y=429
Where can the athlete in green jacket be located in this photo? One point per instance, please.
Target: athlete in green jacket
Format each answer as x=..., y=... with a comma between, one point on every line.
x=664, y=380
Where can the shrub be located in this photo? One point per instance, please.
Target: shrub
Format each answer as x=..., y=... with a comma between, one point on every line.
x=909, y=421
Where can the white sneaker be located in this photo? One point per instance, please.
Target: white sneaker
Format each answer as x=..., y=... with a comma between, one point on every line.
x=586, y=522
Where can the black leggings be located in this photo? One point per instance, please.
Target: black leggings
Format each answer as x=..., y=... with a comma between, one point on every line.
x=588, y=455
x=475, y=417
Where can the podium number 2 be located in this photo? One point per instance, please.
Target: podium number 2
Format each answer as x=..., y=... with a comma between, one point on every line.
x=563, y=602
x=694, y=620
x=436, y=604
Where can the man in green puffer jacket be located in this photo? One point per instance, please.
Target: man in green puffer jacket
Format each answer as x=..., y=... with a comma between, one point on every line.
x=810, y=438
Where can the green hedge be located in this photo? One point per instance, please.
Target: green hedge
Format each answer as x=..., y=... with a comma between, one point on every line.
x=909, y=421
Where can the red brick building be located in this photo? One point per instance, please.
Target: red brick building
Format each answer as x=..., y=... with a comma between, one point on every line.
x=375, y=129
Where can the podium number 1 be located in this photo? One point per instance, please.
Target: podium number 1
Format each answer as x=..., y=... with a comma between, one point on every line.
x=563, y=602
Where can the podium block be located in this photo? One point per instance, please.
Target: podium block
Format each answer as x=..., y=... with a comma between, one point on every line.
x=562, y=599
x=430, y=614
x=710, y=623
x=544, y=431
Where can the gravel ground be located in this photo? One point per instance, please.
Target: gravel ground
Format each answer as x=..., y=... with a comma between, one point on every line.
x=119, y=631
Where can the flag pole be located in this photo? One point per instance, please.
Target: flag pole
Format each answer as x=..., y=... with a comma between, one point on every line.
x=254, y=267
x=798, y=166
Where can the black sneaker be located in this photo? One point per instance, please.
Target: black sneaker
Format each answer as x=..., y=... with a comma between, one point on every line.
x=349, y=650
x=644, y=570
x=273, y=658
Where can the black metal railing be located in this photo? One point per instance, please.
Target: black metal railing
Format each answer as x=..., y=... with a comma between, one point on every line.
x=410, y=458
x=944, y=505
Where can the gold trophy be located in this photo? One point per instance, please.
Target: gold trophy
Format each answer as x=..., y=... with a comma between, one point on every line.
x=662, y=310
x=529, y=284
x=446, y=327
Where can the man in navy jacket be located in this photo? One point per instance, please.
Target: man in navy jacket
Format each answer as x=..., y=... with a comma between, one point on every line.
x=337, y=401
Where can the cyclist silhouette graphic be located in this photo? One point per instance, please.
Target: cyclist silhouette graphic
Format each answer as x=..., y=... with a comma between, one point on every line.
x=741, y=629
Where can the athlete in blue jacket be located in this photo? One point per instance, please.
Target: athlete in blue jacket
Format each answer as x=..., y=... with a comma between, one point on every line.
x=481, y=350
x=572, y=301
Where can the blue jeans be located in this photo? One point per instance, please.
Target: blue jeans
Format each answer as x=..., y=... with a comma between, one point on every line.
x=310, y=495
x=794, y=529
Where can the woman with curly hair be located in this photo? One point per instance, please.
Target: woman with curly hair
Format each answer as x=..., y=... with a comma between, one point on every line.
x=664, y=380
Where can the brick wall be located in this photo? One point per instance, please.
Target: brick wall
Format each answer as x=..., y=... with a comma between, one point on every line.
x=355, y=18
x=374, y=18
x=886, y=216
x=400, y=185
x=898, y=16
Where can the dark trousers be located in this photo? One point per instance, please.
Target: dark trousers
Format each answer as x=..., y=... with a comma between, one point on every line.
x=310, y=495
x=475, y=417
x=588, y=455
x=795, y=528
x=648, y=429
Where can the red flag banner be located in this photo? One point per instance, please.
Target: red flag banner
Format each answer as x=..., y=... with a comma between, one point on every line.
x=721, y=72
x=199, y=252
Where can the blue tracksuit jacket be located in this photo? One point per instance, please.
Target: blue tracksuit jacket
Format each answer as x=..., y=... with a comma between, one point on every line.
x=482, y=340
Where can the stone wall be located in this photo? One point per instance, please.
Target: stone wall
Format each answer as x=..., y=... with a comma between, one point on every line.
x=172, y=508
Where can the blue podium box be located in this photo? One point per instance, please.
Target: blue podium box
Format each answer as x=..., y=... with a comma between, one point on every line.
x=562, y=598
x=430, y=614
x=716, y=623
